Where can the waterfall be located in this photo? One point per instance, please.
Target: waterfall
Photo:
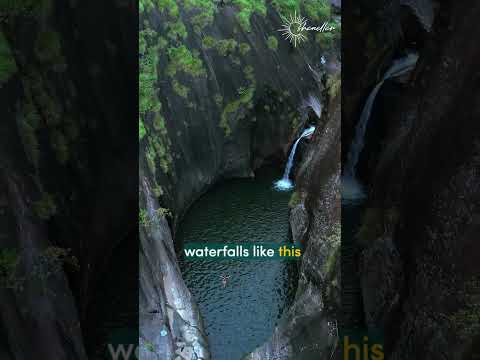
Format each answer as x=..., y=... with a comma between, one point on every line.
x=285, y=183
x=351, y=189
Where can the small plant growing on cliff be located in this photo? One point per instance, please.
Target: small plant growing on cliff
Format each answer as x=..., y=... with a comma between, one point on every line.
x=180, y=89
x=141, y=130
x=246, y=9
x=50, y=262
x=295, y=199
x=272, y=43
x=143, y=219
x=244, y=49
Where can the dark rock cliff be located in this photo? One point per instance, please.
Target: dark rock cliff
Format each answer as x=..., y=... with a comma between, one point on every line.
x=419, y=279
x=67, y=77
x=309, y=329
x=170, y=324
x=230, y=92
x=224, y=96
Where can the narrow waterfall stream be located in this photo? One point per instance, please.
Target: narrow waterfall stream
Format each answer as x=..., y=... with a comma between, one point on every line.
x=353, y=203
x=242, y=315
x=285, y=183
x=351, y=188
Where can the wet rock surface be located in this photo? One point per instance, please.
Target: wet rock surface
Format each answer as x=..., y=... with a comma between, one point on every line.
x=418, y=280
x=309, y=329
x=170, y=324
x=65, y=144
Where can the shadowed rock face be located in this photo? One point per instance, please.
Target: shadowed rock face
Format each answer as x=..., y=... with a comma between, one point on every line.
x=418, y=278
x=170, y=323
x=47, y=305
x=66, y=147
x=308, y=330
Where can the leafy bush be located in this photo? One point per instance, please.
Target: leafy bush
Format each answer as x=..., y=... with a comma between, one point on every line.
x=180, y=89
x=317, y=10
x=244, y=49
x=294, y=200
x=182, y=59
x=287, y=8
x=246, y=9
x=168, y=5
x=272, y=43
x=141, y=129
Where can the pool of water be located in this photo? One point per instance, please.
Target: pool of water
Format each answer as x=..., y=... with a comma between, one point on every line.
x=242, y=315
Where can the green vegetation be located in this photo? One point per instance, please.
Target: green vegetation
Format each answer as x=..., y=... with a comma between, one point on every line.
x=287, y=8
x=176, y=31
x=180, y=89
x=182, y=59
x=48, y=48
x=208, y=42
x=46, y=207
x=168, y=5
x=226, y=47
x=147, y=80
x=317, y=10
x=141, y=130
x=244, y=49
x=246, y=9
x=7, y=63
x=50, y=262
x=28, y=125
x=295, y=199
x=245, y=99
x=272, y=43
x=205, y=13
x=46, y=264
x=9, y=260
x=333, y=85
x=143, y=219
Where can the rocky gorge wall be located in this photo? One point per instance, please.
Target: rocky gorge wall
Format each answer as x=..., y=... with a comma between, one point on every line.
x=66, y=81
x=309, y=328
x=231, y=97
x=229, y=88
x=419, y=280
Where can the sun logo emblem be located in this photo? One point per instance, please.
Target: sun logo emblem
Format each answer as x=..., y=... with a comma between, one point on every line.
x=293, y=29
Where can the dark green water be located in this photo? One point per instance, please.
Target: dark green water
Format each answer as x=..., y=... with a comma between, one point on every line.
x=242, y=315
